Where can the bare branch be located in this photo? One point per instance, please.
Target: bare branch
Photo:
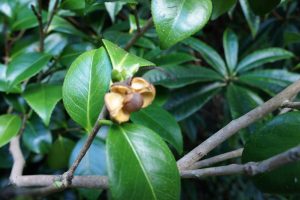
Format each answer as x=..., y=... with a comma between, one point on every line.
x=39, y=18
x=250, y=169
x=236, y=125
x=68, y=176
x=51, y=15
x=216, y=159
x=138, y=34
x=293, y=105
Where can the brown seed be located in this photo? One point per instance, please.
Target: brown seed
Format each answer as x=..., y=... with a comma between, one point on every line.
x=133, y=102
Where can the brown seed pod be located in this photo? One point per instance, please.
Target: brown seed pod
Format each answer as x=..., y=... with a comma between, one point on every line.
x=133, y=102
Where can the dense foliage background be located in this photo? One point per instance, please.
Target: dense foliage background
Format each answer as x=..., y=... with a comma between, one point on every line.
x=245, y=54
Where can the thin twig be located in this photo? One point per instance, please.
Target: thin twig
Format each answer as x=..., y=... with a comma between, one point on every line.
x=235, y=125
x=138, y=34
x=250, y=168
x=137, y=21
x=39, y=18
x=219, y=158
x=293, y=105
x=68, y=176
x=51, y=15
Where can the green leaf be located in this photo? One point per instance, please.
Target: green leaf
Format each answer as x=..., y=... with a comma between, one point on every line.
x=172, y=59
x=252, y=20
x=210, y=55
x=84, y=87
x=263, y=7
x=176, y=20
x=4, y=83
x=231, y=48
x=270, y=81
x=179, y=76
x=291, y=37
x=261, y=57
x=42, y=99
x=36, y=137
x=25, y=66
x=132, y=151
x=113, y=8
x=221, y=7
x=9, y=127
x=161, y=122
x=240, y=101
x=124, y=62
x=94, y=161
x=73, y=4
x=60, y=152
x=279, y=135
x=72, y=51
x=188, y=100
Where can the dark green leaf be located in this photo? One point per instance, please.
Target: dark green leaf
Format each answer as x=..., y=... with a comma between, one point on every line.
x=42, y=99
x=72, y=51
x=231, y=48
x=176, y=20
x=85, y=85
x=262, y=7
x=261, y=57
x=25, y=66
x=161, y=122
x=270, y=81
x=276, y=137
x=291, y=37
x=210, y=55
x=186, y=101
x=94, y=161
x=73, y=4
x=113, y=8
x=60, y=152
x=173, y=59
x=140, y=165
x=220, y=7
x=252, y=20
x=178, y=76
x=9, y=127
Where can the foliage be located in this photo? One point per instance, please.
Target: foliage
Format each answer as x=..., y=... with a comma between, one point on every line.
x=211, y=61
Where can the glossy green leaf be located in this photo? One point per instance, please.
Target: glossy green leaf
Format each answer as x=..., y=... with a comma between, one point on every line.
x=252, y=20
x=161, y=122
x=279, y=135
x=17, y=102
x=84, y=87
x=176, y=20
x=221, y=7
x=231, y=48
x=73, y=4
x=25, y=66
x=113, y=8
x=72, y=51
x=60, y=152
x=124, y=62
x=210, y=55
x=9, y=127
x=270, y=81
x=94, y=161
x=263, y=7
x=4, y=85
x=172, y=59
x=186, y=101
x=179, y=76
x=36, y=137
x=42, y=99
x=261, y=57
x=140, y=165
x=240, y=101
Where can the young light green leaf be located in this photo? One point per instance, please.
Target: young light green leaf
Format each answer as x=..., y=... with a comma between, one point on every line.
x=261, y=57
x=9, y=127
x=136, y=167
x=263, y=7
x=161, y=122
x=42, y=99
x=60, y=152
x=210, y=55
x=252, y=20
x=186, y=101
x=123, y=61
x=176, y=20
x=221, y=7
x=279, y=135
x=179, y=76
x=24, y=66
x=84, y=87
x=231, y=48
x=270, y=81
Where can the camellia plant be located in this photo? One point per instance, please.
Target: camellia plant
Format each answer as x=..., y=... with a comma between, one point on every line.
x=124, y=100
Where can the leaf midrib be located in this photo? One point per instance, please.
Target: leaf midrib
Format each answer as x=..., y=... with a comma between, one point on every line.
x=139, y=161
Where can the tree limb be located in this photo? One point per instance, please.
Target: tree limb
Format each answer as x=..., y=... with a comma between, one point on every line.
x=235, y=125
x=250, y=168
x=216, y=159
x=292, y=105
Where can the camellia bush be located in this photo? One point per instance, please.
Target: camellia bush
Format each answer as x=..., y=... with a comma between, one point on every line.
x=142, y=100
